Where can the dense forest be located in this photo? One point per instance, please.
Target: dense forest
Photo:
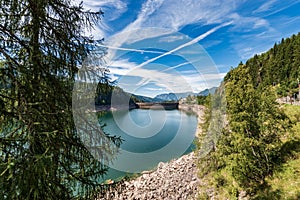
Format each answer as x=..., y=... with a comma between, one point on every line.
x=109, y=93
x=260, y=136
x=105, y=92
x=279, y=66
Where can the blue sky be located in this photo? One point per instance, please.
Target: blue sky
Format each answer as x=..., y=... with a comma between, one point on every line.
x=158, y=46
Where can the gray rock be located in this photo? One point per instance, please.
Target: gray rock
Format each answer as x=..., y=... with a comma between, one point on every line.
x=174, y=180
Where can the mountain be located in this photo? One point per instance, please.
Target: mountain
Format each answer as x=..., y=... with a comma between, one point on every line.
x=174, y=96
x=167, y=97
x=178, y=96
x=206, y=92
x=185, y=94
x=106, y=91
x=104, y=95
x=139, y=98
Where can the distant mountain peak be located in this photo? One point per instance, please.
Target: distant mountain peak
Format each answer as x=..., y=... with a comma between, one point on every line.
x=207, y=91
x=177, y=96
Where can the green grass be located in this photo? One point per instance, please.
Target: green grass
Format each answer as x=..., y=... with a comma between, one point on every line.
x=294, y=114
x=285, y=182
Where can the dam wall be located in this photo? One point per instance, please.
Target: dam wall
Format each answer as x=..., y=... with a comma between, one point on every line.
x=158, y=106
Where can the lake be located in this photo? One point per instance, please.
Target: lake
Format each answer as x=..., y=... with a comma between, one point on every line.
x=150, y=137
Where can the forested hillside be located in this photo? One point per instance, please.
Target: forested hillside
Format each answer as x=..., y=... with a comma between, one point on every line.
x=261, y=137
x=106, y=91
x=278, y=66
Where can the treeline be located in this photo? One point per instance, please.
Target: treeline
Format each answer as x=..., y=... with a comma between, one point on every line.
x=106, y=91
x=253, y=142
x=279, y=66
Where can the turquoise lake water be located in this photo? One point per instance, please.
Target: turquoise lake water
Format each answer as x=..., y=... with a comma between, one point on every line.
x=150, y=137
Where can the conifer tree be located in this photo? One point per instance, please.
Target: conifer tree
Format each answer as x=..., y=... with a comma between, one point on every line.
x=42, y=43
x=250, y=147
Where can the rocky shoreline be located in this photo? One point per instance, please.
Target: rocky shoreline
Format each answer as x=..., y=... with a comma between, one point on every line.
x=176, y=180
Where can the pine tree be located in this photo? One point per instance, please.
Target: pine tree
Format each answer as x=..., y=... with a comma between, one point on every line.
x=251, y=146
x=42, y=43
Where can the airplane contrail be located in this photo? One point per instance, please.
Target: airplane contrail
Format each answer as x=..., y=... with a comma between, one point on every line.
x=129, y=49
x=180, y=65
x=195, y=40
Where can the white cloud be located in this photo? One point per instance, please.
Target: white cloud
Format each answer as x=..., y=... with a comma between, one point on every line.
x=96, y=33
x=180, y=65
x=129, y=49
x=261, y=23
x=121, y=67
x=245, y=51
x=154, y=89
x=177, y=14
x=211, y=43
x=274, y=6
x=125, y=37
x=265, y=7
x=205, y=77
x=119, y=6
x=170, y=81
x=134, y=78
x=100, y=30
x=173, y=15
x=253, y=34
x=167, y=16
x=129, y=33
x=193, y=41
x=248, y=24
x=172, y=38
x=148, y=8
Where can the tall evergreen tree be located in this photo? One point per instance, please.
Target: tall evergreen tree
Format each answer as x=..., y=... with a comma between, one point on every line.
x=250, y=147
x=41, y=155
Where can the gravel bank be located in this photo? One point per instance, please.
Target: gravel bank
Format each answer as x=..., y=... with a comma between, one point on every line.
x=174, y=180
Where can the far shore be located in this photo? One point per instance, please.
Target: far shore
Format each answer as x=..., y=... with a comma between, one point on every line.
x=196, y=109
x=114, y=108
x=151, y=105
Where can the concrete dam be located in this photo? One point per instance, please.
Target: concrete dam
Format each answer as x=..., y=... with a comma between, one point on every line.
x=158, y=106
